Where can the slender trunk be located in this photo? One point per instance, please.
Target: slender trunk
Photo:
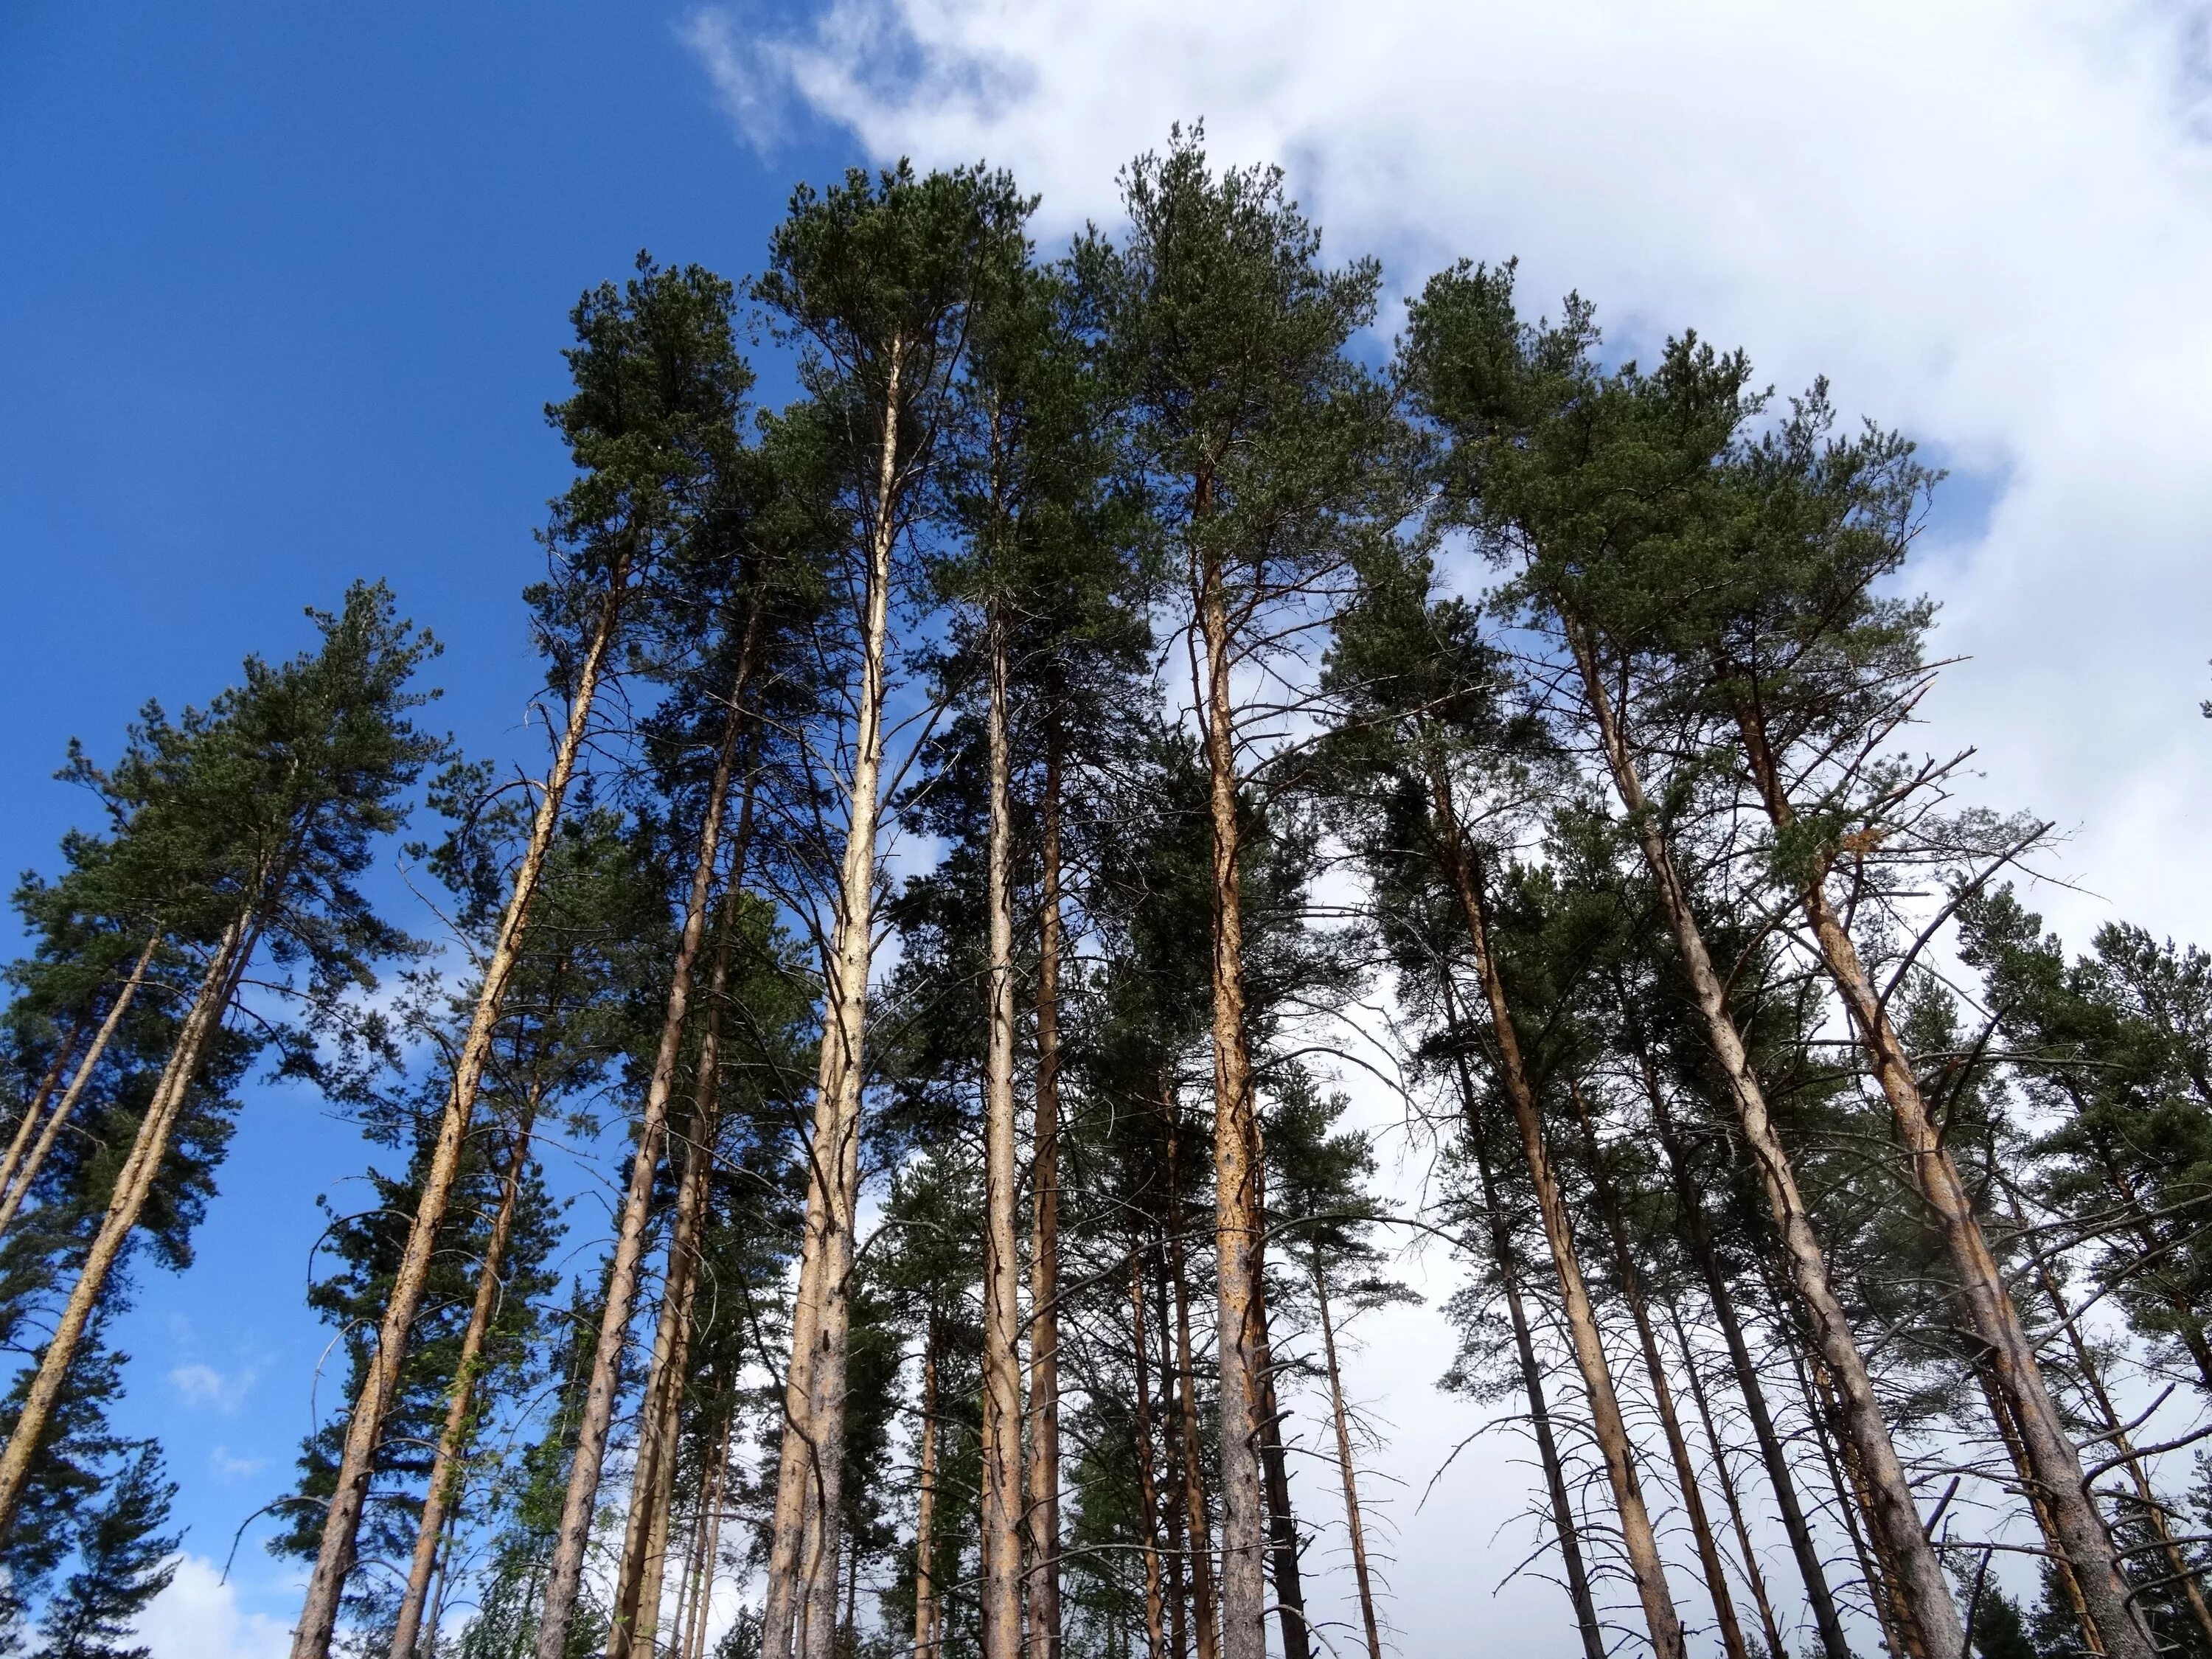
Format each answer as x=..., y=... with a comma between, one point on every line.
x=564, y=1577
x=2070, y=1581
x=1175, y=1503
x=710, y=1518
x=1001, y=1588
x=1282, y=1521
x=638, y=1580
x=1753, y=1577
x=1662, y=1395
x=1044, y=1237
x=133, y=1185
x=1236, y=1137
x=1352, y=1520
x=2115, y=1431
x=1198, y=1546
x=1638, y=1535
x=925, y=1520
x=438, y=1498
x=810, y=1461
x=334, y=1559
x=1853, y=1499
x=1895, y=1516
x=1507, y=1261
x=24, y=1171
x=45, y=1092
x=1690, y=1205
x=2077, y=1529
x=1148, y=1491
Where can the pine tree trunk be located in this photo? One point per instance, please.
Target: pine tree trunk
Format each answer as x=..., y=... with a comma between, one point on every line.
x=23, y=1170
x=1853, y=1500
x=1174, y=1503
x=1236, y=1134
x=2070, y=1581
x=1691, y=1206
x=809, y=1465
x=2115, y=1431
x=710, y=1518
x=334, y=1559
x=2077, y=1530
x=1148, y=1489
x=1638, y=1535
x=1895, y=1516
x=1507, y=1261
x=1282, y=1521
x=1044, y=1234
x=1352, y=1518
x=564, y=1577
x=925, y=1521
x=1662, y=1395
x=653, y=1481
x=438, y=1498
x=1753, y=1577
x=1001, y=1588
x=36, y=1105
x=133, y=1185
x=1198, y=1546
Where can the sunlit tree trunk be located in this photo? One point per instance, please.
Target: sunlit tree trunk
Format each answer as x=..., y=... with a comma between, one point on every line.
x=133, y=1186
x=802, y=1564
x=1148, y=1489
x=1044, y=1237
x=23, y=1167
x=1001, y=1588
x=334, y=1559
x=1894, y=1515
x=1662, y=1395
x=1507, y=1261
x=439, y=1497
x=565, y=1575
x=2053, y=1465
x=1611, y=1432
x=1353, y=1523
x=1690, y=1205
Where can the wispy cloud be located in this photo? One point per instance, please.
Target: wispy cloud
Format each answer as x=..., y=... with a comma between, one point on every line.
x=201, y=1384
x=749, y=71
x=230, y=1467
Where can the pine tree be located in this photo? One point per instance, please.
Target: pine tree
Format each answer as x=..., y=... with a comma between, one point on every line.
x=125, y=1561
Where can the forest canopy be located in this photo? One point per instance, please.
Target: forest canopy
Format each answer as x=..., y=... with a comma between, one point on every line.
x=1021, y=818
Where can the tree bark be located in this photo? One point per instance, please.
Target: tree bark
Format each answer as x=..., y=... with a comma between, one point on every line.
x=1690, y=1206
x=1148, y=1491
x=1662, y=1395
x=1894, y=1517
x=925, y=1522
x=133, y=1185
x=1175, y=1503
x=1638, y=1535
x=334, y=1559
x=24, y=1170
x=1001, y=1587
x=1282, y=1521
x=1753, y=1577
x=1198, y=1536
x=810, y=1467
x=1044, y=1235
x=2077, y=1529
x=564, y=1577
x=439, y=1497
x=1507, y=1261
x=2115, y=1431
x=1352, y=1518
x=1236, y=1136
x=33, y=1108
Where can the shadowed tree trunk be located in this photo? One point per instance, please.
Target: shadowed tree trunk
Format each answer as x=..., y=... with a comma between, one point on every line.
x=1353, y=1523
x=1147, y=1478
x=1045, y=1235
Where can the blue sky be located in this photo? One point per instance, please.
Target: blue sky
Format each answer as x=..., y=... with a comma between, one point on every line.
x=282, y=292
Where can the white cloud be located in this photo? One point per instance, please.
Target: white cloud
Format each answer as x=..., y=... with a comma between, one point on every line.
x=231, y=1466
x=202, y=1384
x=198, y=1617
